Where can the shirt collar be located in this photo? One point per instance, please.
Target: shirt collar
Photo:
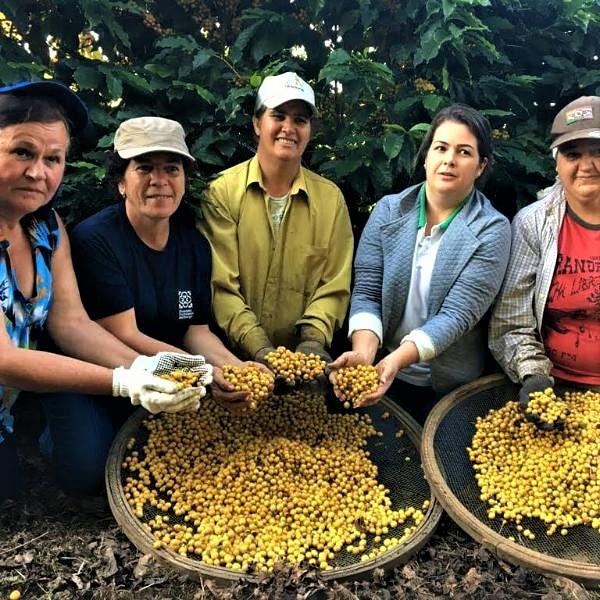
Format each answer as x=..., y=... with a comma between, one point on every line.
x=422, y=199
x=255, y=178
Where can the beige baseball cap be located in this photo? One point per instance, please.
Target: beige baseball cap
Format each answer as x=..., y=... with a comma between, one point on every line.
x=142, y=135
x=578, y=120
x=277, y=89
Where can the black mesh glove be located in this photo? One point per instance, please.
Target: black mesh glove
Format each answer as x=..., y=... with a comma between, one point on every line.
x=536, y=383
x=313, y=347
x=260, y=356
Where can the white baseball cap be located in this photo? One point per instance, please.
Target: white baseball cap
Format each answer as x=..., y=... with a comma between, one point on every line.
x=278, y=89
x=142, y=135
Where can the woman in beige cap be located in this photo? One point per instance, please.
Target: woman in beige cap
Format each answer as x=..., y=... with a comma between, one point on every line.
x=546, y=324
x=143, y=268
x=144, y=274
x=281, y=236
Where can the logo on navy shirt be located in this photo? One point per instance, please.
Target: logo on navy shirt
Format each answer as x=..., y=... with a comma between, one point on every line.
x=186, y=306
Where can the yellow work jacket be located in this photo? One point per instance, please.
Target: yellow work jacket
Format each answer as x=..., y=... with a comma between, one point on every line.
x=265, y=287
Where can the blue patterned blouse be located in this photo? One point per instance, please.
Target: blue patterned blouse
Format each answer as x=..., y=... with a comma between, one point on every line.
x=24, y=317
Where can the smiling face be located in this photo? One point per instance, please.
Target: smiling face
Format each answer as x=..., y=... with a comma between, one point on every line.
x=32, y=163
x=283, y=132
x=578, y=166
x=153, y=185
x=452, y=163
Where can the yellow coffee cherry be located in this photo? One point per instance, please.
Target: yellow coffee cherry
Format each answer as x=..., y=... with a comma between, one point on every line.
x=291, y=482
x=547, y=407
x=295, y=367
x=354, y=383
x=183, y=378
x=250, y=378
x=524, y=472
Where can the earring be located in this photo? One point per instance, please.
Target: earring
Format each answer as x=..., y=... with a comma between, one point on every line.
x=124, y=196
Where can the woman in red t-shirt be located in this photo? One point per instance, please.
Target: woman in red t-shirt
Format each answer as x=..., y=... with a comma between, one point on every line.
x=546, y=323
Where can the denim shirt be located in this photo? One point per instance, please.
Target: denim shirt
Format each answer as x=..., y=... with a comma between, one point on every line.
x=25, y=317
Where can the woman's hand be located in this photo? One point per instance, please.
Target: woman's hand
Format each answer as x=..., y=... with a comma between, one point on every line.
x=153, y=393
x=225, y=394
x=387, y=368
x=347, y=359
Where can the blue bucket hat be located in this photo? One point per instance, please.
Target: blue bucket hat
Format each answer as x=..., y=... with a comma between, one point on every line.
x=72, y=104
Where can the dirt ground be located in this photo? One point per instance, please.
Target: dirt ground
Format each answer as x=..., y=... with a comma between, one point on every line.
x=54, y=546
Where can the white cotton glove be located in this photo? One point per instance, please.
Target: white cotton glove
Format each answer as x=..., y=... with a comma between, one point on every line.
x=166, y=362
x=153, y=393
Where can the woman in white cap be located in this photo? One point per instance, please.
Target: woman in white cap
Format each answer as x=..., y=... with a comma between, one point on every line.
x=142, y=266
x=281, y=235
x=546, y=323
x=38, y=291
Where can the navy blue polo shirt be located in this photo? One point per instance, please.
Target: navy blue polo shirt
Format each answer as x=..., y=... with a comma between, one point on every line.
x=116, y=271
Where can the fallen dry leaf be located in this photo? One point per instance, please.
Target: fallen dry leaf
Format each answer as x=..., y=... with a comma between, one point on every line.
x=143, y=566
x=23, y=559
x=471, y=580
x=408, y=572
x=571, y=589
x=110, y=566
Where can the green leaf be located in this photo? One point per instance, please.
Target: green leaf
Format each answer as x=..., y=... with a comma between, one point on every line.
x=448, y=7
x=202, y=150
x=114, y=85
x=202, y=56
x=432, y=42
x=589, y=77
x=185, y=43
x=100, y=12
x=269, y=45
x=162, y=70
x=392, y=144
x=136, y=81
x=381, y=176
x=419, y=128
x=533, y=164
x=445, y=77
x=97, y=171
x=404, y=105
x=106, y=141
x=496, y=112
x=243, y=40
x=368, y=13
x=348, y=20
x=256, y=80
x=203, y=92
x=338, y=169
x=87, y=78
x=433, y=102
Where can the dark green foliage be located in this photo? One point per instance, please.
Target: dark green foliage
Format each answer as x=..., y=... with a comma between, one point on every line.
x=381, y=69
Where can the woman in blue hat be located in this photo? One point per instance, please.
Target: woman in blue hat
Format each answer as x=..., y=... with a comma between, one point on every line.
x=38, y=290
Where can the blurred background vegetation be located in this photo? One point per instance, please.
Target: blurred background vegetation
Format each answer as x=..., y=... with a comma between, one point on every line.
x=380, y=68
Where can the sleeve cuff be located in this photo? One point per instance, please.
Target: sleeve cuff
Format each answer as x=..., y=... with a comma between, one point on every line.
x=309, y=333
x=255, y=342
x=531, y=367
x=365, y=320
x=423, y=343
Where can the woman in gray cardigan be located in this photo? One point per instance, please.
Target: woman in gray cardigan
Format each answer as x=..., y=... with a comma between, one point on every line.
x=429, y=264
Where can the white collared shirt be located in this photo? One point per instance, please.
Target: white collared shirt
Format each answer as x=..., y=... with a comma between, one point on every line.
x=415, y=310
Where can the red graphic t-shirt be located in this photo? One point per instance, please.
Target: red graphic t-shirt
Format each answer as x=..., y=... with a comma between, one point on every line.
x=571, y=326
